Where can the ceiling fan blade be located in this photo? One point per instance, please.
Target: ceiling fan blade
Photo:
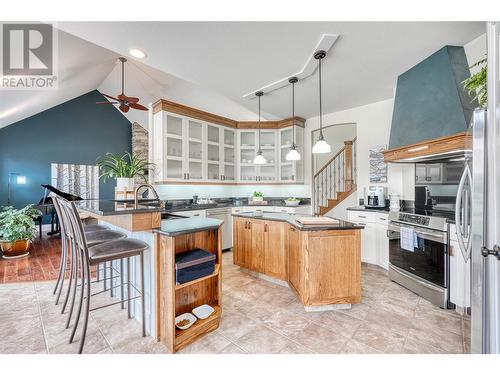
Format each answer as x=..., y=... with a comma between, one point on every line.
x=111, y=97
x=138, y=106
x=106, y=102
x=124, y=108
x=132, y=99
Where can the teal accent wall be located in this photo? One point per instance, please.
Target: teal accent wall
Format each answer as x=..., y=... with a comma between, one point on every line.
x=430, y=100
x=75, y=132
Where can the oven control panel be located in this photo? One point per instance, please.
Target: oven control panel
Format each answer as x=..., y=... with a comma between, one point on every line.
x=414, y=219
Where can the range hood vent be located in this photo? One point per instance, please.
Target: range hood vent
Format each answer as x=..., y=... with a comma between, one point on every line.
x=430, y=100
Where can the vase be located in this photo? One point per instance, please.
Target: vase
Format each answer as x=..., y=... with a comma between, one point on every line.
x=124, y=184
x=15, y=249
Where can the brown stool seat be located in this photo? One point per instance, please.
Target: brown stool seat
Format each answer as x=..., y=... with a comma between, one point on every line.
x=116, y=249
x=93, y=227
x=100, y=236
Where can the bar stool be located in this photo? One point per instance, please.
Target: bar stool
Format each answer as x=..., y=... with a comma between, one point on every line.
x=97, y=254
x=97, y=234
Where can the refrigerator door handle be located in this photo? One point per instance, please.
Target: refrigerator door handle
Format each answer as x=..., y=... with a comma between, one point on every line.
x=463, y=232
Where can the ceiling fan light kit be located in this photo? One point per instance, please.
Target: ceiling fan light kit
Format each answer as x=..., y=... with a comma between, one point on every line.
x=137, y=53
x=321, y=146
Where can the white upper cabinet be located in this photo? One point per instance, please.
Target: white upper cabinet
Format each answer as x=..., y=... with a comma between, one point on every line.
x=291, y=171
x=190, y=150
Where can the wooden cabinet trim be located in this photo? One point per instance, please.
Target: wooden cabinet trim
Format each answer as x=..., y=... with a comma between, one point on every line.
x=180, y=109
x=454, y=142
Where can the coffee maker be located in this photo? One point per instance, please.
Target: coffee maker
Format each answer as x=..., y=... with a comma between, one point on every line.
x=375, y=196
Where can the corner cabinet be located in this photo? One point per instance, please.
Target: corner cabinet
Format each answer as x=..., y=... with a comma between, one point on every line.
x=187, y=150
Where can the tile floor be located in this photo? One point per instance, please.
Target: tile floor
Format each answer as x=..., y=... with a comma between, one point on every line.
x=258, y=317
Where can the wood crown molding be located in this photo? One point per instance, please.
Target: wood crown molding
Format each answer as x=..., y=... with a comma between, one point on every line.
x=441, y=145
x=180, y=109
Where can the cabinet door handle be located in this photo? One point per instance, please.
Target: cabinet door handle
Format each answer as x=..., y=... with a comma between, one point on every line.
x=188, y=176
x=292, y=229
x=246, y=222
x=249, y=225
x=265, y=227
x=364, y=217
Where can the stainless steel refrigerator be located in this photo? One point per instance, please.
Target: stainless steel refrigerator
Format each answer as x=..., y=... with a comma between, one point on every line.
x=478, y=210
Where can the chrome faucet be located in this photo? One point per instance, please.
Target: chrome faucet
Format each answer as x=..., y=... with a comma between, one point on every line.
x=150, y=187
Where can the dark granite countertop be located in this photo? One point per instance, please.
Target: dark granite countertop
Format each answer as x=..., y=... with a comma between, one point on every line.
x=290, y=219
x=363, y=208
x=186, y=205
x=177, y=227
x=111, y=207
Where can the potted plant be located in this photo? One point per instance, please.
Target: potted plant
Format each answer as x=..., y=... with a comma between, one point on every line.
x=257, y=196
x=476, y=83
x=17, y=230
x=124, y=168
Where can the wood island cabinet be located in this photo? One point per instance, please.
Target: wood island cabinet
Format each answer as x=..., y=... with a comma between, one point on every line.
x=260, y=246
x=322, y=267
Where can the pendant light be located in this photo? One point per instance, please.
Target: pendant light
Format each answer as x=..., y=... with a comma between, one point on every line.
x=320, y=147
x=293, y=154
x=259, y=158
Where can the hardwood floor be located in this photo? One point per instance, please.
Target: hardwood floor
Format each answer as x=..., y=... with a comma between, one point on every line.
x=41, y=264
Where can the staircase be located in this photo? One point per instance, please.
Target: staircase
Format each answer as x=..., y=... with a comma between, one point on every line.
x=336, y=180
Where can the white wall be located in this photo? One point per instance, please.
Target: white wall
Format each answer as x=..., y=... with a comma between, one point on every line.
x=373, y=125
x=335, y=135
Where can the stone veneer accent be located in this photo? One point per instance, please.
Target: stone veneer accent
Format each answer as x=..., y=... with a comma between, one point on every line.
x=139, y=144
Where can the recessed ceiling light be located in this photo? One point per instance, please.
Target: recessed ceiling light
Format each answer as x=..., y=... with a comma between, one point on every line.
x=134, y=52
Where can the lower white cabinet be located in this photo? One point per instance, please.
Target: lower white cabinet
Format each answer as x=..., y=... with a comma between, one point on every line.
x=303, y=210
x=459, y=273
x=192, y=213
x=374, y=241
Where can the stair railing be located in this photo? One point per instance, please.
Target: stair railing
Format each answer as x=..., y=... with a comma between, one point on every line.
x=336, y=176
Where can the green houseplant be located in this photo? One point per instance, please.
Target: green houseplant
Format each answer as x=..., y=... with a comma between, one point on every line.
x=257, y=196
x=17, y=230
x=124, y=168
x=476, y=83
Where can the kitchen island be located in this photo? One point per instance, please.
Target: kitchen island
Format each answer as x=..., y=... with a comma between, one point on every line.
x=321, y=263
x=164, y=298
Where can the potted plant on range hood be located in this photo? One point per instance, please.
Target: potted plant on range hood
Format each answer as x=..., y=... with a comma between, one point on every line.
x=17, y=230
x=476, y=83
x=124, y=168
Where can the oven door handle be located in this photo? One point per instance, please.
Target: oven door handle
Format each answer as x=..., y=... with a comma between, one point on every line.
x=462, y=220
x=440, y=236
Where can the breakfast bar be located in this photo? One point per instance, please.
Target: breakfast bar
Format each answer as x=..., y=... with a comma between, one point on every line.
x=321, y=263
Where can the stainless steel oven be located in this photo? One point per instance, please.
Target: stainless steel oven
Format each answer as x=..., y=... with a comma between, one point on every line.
x=425, y=269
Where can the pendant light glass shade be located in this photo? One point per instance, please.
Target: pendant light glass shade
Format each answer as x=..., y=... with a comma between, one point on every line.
x=259, y=158
x=321, y=146
x=293, y=154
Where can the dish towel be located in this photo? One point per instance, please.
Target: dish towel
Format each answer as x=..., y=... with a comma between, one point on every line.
x=408, y=239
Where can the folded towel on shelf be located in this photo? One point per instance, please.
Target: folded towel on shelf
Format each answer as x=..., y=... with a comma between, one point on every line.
x=408, y=239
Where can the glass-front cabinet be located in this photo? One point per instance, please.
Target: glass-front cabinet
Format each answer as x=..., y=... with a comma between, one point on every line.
x=291, y=171
x=187, y=149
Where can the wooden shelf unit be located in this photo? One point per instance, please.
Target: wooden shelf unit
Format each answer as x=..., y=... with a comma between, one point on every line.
x=174, y=300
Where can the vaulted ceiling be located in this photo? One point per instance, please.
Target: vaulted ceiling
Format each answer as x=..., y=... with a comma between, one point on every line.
x=211, y=65
x=234, y=58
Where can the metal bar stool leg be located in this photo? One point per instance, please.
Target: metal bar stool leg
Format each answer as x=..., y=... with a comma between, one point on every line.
x=129, y=296
x=111, y=274
x=86, y=286
x=77, y=318
x=73, y=277
x=121, y=285
x=62, y=267
x=105, y=275
x=143, y=299
x=74, y=284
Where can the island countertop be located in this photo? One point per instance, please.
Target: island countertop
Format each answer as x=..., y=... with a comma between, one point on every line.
x=104, y=207
x=177, y=227
x=290, y=219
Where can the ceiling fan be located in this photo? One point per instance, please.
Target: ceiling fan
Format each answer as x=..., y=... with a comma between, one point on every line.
x=125, y=102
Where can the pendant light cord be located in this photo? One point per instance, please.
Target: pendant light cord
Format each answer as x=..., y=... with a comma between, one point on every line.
x=293, y=115
x=123, y=76
x=259, y=124
x=320, y=105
